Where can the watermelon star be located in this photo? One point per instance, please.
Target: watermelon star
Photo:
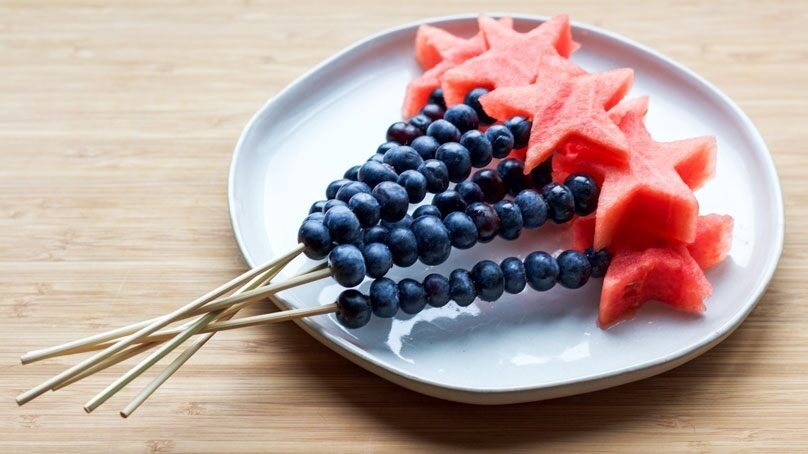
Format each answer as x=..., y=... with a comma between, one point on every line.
x=567, y=109
x=510, y=58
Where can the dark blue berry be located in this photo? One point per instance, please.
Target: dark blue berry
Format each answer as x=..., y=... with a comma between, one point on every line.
x=488, y=280
x=353, y=309
x=376, y=234
x=542, y=173
x=342, y=225
x=425, y=146
x=533, y=208
x=378, y=157
x=574, y=269
x=378, y=259
x=411, y=296
x=449, y=201
x=541, y=270
x=351, y=189
x=366, y=208
x=470, y=192
x=402, y=132
x=512, y=172
x=462, y=230
x=421, y=122
x=599, y=260
x=486, y=220
x=560, y=203
x=352, y=173
x=315, y=217
x=334, y=187
x=436, y=288
x=382, y=149
x=436, y=174
x=332, y=204
x=432, y=240
x=347, y=265
x=317, y=207
x=393, y=200
x=433, y=111
x=480, y=150
x=461, y=287
x=510, y=218
x=426, y=210
x=457, y=160
x=513, y=272
x=403, y=158
x=520, y=129
x=436, y=97
x=491, y=184
x=404, y=247
x=384, y=297
x=501, y=140
x=443, y=131
x=315, y=237
x=585, y=193
x=404, y=222
x=372, y=173
x=473, y=100
x=462, y=116
x=415, y=184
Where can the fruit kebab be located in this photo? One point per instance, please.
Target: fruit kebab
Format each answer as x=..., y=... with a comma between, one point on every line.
x=559, y=123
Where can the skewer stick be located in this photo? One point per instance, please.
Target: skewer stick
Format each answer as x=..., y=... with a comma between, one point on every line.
x=133, y=350
x=40, y=389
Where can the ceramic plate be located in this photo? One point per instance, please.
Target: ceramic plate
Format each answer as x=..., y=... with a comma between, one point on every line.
x=525, y=347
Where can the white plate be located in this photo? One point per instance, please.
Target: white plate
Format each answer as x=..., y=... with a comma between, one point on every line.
x=530, y=346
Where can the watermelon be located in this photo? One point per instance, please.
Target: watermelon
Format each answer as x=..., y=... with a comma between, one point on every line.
x=713, y=240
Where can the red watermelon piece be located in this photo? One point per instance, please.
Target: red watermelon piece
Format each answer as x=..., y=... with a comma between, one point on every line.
x=713, y=240
x=638, y=106
x=583, y=232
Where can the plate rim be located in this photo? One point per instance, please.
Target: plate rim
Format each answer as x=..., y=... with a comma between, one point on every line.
x=559, y=388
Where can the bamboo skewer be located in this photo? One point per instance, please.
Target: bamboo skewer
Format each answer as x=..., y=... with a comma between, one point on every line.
x=133, y=350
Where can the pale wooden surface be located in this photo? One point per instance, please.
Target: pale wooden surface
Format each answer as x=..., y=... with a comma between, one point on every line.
x=117, y=123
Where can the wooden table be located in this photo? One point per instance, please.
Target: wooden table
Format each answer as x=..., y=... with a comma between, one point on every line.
x=117, y=123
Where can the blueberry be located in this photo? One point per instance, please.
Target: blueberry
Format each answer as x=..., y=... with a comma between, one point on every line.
x=512, y=172
x=457, y=160
x=599, y=260
x=520, y=129
x=461, y=287
x=574, y=269
x=462, y=230
x=449, y=201
x=433, y=111
x=403, y=158
x=533, y=208
x=386, y=146
x=415, y=184
x=432, y=240
x=436, y=97
x=473, y=100
x=402, y=132
x=332, y=204
x=462, y=116
x=426, y=210
x=491, y=184
x=384, y=298
x=353, y=309
x=488, y=280
x=315, y=237
x=372, y=173
x=542, y=173
x=541, y=270
x=480, y=149
x=376, y=234
x=411, y=296
x=342, y=225
x=436, y=174
x=393, y=200
x=404, y=222
x=443, y=131
x=585, y=193
x=366, y=209
x=560, y=203
x=510, y=218
x=378, y=157
x=436, y=288
x=317, y=207
x=351, y=189
x=378, y=259
x=334, y=187
x=425, y=146
x=315, y=217
x=347, y=265
x=513, y=272
x=404, y=247
x=421, y=122
x=470, y=191
x=352, y=173
x=501, y=140
x=486, y=220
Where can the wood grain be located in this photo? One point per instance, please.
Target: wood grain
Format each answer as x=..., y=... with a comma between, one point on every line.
x=117, y=123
